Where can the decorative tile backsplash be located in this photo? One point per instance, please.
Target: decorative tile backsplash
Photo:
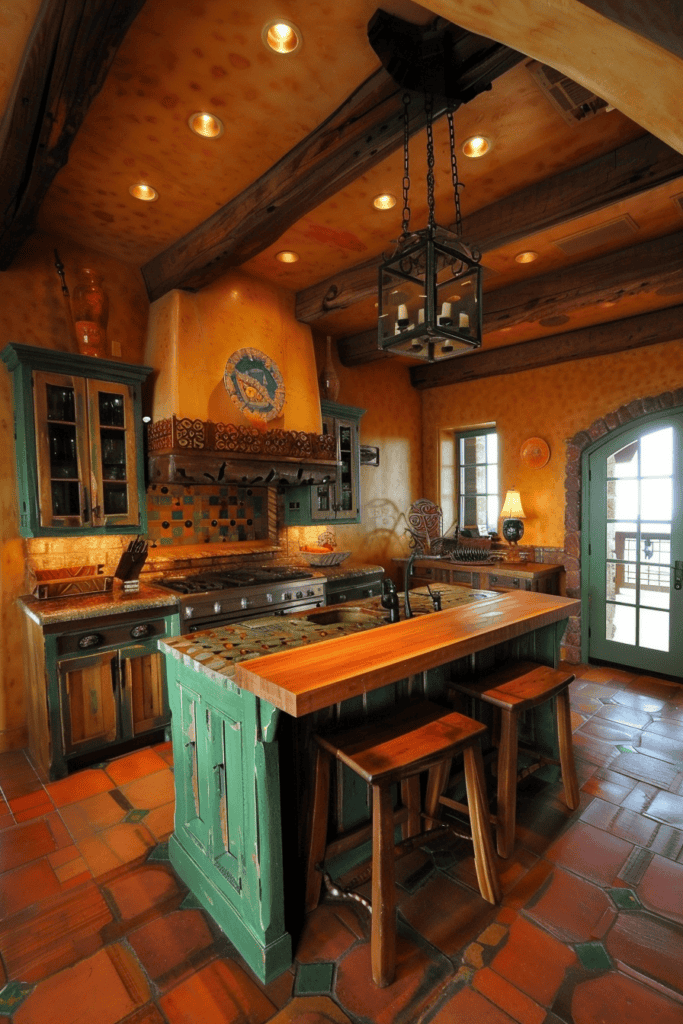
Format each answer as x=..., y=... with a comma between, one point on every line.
x=178, y=514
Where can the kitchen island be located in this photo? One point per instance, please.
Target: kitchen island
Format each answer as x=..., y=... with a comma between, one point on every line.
x=245, y=699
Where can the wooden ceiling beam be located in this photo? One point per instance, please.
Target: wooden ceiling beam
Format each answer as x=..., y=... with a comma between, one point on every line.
x=660, y=325
x=638, y=270
x=362, y=132
x=68, y=55
x=636, y=167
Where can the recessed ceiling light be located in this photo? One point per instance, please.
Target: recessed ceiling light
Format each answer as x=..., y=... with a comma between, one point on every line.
x=281, y=36
x=526, y=257
x=476, y=145
x=286, y=256
x=385, y=201
x=144, y=192
x=206, y=125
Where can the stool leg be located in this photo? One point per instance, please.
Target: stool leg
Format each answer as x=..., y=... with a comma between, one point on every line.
x=507, y=784
x=484, y=862
x=437, y=780
x=383, y=930
x=564, y=736
x=318, y=830
x=410, y=795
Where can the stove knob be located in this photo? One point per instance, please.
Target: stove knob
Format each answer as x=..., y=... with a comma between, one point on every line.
x=287, y=597
x=269, y=598
x=310, y=593
x=244, y=603
x=217, y=607
x=299, y=595
x=188, y=611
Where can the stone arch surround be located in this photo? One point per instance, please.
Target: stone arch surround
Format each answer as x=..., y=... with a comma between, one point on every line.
x=639, y=408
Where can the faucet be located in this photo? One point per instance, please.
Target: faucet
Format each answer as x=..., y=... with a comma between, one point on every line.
x=390, y=599
x=407, y=611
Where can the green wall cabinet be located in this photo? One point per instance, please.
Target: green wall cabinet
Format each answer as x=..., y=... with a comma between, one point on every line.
x=78, y=437
x=337, y=502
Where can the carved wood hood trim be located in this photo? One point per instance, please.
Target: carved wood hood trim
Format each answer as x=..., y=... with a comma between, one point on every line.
x=191, y=451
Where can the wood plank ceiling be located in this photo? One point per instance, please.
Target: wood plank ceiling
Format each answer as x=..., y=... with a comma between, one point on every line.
x=101, y=99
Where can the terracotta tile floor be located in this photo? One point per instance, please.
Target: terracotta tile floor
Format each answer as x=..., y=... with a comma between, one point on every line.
x=95, y=926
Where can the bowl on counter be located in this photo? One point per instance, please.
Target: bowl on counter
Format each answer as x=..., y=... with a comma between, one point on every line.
x=324, y=557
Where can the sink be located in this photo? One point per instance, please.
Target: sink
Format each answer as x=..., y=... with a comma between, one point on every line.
x=329, y=616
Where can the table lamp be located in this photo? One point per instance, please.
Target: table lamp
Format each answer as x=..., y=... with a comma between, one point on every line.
x=512, y=514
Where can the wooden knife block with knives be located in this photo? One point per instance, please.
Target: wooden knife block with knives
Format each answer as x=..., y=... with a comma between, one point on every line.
x=131, y=563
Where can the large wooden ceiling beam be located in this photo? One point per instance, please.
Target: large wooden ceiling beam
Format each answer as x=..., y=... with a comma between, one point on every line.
x=67, y=58
x=660, y=325
x=637, y=167
x=639, y=270
x=364, y=130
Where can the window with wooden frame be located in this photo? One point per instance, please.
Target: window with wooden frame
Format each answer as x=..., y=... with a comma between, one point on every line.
x=476, y=454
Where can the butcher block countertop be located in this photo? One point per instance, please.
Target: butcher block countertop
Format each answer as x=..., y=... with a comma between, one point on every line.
x=320, y=666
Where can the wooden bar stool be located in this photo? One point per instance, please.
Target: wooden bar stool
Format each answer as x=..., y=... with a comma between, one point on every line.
x=395, y=750
x=511, y=690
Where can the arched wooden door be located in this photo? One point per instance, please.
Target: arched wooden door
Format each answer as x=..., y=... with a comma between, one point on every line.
x=633, y=547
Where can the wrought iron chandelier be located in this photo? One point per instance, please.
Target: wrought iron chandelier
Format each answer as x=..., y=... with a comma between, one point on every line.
x=429, y=304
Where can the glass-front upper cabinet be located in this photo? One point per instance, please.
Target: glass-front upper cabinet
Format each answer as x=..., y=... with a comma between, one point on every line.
x=339, y=500
x=79, y=442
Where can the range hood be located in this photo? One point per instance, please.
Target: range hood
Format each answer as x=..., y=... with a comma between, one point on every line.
x=192, y=452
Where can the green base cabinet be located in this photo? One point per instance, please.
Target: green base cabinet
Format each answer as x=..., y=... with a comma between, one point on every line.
x=227, y=844
x=337, y=502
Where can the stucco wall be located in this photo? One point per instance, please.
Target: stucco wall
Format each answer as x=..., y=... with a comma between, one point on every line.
x=553, y=403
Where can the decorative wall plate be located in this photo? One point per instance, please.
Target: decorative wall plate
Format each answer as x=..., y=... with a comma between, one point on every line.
x=535, y=452
x=255, y=384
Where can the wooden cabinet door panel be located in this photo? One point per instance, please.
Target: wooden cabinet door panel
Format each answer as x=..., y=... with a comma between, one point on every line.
x=192, y=812
x=227, y=799
x=143, y=690
x=90, y=707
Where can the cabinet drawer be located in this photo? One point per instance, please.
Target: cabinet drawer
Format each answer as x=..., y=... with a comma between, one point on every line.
x=509, y=582
x=93, y=639
x=358, y=592
x=461, y=576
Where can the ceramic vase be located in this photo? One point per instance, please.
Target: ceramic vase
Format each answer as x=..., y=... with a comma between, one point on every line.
x=328, y=381
x=90, y=307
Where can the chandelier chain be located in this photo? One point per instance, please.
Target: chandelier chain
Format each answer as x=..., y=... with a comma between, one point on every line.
x=457, y=185
x=406, y=171
x=430, y=160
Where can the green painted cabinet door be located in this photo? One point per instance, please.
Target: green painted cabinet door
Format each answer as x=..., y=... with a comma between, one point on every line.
x=635, y=543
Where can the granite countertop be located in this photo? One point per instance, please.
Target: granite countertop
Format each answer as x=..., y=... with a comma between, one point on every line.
x=90, y=606
x=216, y=652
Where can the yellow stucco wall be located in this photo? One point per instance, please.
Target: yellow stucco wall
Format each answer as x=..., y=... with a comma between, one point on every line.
x=32, y=312
x=553, y=403
x=393, y=423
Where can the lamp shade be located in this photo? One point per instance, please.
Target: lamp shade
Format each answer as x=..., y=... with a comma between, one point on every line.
x=512, y=506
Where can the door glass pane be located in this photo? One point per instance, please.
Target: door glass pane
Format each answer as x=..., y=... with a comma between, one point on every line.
x=656, y=498
x=115, y=499
x=112, y=410
x=657, y=453
x=61, y=435
x=654, y=629
x=620, y=581
x=624, y=463
x=622, y=499
x=621, y=539
x=620, y=624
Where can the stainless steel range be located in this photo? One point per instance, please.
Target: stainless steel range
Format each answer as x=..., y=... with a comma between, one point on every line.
x=227, y=595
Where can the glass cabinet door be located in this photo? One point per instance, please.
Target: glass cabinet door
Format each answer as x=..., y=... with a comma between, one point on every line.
x=114, y=467
x=61, y=448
